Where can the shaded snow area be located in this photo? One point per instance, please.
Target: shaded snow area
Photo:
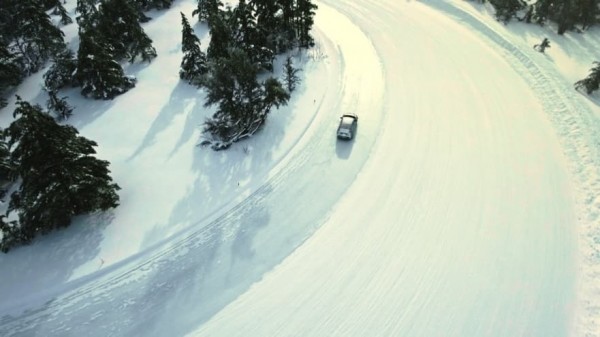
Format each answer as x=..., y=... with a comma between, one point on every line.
x=467, y=205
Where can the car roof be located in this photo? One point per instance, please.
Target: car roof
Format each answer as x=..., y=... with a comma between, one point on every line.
x=351, y=115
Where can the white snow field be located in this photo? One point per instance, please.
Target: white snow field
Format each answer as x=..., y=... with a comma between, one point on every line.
x=468, y=205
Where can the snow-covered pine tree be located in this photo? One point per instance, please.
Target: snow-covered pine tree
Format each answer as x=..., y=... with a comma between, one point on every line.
x=305, y=13
x=48, y=4
x=154, y=4
x=10, y=74
x=247, y=36
x=564, y=13
x=592, y=82
x=98, y=74
x=589, y=11
x=193, y=64
x=207, y=9
x=32, y=34
x=273, y=95
x=88, y=13
x=60, y=10
x=221, y=39
x=118, y=24
x=269, y=24
x=146, y=5
x=507, y=9
x=243, y=102
x=58, y=106
x=290, y=75
x=287, y=28
x=60, y=176
x=61, y=72
x=11, y=236
x=7, y=170
x=57, y=9
x=244, y=24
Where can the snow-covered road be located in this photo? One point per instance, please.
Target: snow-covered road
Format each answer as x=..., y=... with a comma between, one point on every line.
x=451, y=213
x=461, y=224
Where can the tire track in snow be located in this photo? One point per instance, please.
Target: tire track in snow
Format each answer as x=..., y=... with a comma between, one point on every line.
x=192, y=271
x=579, y=133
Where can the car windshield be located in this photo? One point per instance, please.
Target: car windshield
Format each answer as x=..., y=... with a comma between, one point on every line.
x=347, y=121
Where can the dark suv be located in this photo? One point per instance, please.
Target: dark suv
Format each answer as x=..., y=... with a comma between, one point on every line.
x=347, y=128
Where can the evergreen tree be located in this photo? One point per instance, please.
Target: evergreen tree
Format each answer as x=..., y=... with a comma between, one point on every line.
x=154, y=4
x=118, y=23
x=7, y=170
x=507, y=9
x=32, y=34
x=6, y=27
x=59, y=106
x=305, y=13
x=140, y=7
x=10, y=74
x=243, y=23
x=273, y=95
x=247, y=36
x=268, y=23
x=589, y=12
x=193, y=65
x=592, y=82
x=11, y=236
x=207, y=9
x=541, y=11
x=61, y=72
x=48, y=4
x=221, y=39
x=60, y=10
x=98, y=74
x=287, y=29
x=290, y=75
x=88, y=14
x=60, y=176
x=565, y=13
x=243, y=102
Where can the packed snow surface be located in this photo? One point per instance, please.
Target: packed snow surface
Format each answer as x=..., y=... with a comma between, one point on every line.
x=467, y=205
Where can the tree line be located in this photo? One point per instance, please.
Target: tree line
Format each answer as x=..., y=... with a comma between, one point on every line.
x=56, y=172
x=243, y=43
x=566, y=14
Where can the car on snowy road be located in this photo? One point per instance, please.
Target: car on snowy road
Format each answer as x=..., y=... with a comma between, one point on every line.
x=347, y=128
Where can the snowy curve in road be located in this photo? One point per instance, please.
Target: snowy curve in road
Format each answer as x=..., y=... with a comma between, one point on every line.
x=172, y=289
x=461, y=224
x=579, y=132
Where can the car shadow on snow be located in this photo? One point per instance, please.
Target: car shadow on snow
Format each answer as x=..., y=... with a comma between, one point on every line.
x=343, y=148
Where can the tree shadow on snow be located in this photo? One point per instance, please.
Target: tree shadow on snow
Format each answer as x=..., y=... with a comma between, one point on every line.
x=218, y=265
x=181, y=97
x=86, y=110
x=50, y=260
x=593, y=97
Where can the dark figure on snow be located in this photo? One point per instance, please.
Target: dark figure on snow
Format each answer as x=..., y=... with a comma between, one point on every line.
x=542, y=46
